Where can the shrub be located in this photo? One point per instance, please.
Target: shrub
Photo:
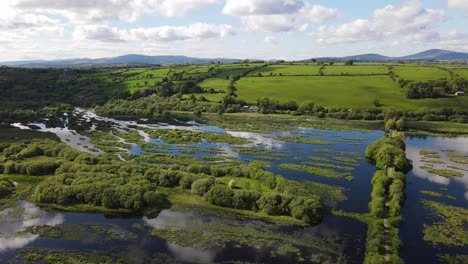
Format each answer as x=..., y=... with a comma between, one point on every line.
x=152, y=174
x=401, y=124
x=199, y=168
x=6, y=187
x=388, y=152
x=220, y=195
x=32, y=150
x=246, y=200
x=306, y=209
x=390, y=124
x=169, y=178
x=187, y=180
x=270, y=204
x=110, y=199
x=202, y=186
x=377, y=207
x=153, y=199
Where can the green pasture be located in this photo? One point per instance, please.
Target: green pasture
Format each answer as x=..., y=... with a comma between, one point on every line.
x=420, y=73
x=215, y=83
x=286, y=69
x=463, y=72
x=355, y=69
x=344, y=91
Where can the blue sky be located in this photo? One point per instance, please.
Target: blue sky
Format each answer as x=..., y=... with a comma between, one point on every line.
x=263, y=29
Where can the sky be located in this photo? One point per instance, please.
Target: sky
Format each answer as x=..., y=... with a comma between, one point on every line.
x=254, y=29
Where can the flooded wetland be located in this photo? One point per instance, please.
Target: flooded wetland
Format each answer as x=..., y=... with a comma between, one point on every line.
x=331, y=162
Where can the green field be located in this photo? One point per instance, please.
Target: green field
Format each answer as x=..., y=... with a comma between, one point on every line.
x=285, y=69
x=420, y=73
x=346, y=91
x=353, y=86
x=463, y=72
x=215, y=83
x=356, y=69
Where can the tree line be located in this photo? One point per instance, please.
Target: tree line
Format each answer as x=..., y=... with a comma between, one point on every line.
x=387, y=198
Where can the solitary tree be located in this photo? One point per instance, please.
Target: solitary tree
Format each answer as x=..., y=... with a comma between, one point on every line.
x=349, y=62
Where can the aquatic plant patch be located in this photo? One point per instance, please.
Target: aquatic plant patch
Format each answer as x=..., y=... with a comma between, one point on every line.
x=450, y=227
x=446, y=173
x=313, y=170
x=305, y=140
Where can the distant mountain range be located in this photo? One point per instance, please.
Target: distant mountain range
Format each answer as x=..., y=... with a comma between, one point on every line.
x=143, y=60
x=125, y=60
x=428, y=55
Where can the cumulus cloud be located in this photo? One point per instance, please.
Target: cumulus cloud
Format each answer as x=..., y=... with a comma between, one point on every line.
x=408, y=18
x=319, y=14
x=157, y=34
x=450, y=40
x=278, y=15
x=12, y=20
x=270, y=23
x=86, y=11
x=261, y=7
x=463, y=4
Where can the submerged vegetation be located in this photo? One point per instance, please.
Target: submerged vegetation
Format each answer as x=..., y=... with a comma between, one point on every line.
x=313, y=170
x=446, y=173
x=186, y=136
x=451, y=227
x=221, y=232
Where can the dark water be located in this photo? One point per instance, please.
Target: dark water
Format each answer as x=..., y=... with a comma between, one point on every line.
x=143, y=247
x=415, y=249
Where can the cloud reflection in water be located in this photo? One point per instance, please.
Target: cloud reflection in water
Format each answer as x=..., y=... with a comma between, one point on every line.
x=17, y=219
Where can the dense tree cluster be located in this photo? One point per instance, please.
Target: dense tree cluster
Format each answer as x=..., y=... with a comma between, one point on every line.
x=81, y=178
x=433, y=88
x=387, y=198
x=269, y=106
x=6, y=187
x=389, y=152
x=48, y=155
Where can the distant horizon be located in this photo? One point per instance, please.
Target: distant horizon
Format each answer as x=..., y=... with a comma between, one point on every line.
x=259, y=29
x=228, y=58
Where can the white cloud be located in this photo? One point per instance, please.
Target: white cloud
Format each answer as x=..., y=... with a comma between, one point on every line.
x=101, y=33
x=462, y=4
x=262, y=7
x=271, y=40
x=449, y=40
x=408, y=18
x=278, y=15
x=270, y=23
x=29, y=22
x=23, y=23
x=87, y=11
x=173, y=8
x=319, y=14
x=157, y=34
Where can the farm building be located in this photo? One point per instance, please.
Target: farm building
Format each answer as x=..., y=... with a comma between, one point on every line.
x=253, y=108
x=459, y=93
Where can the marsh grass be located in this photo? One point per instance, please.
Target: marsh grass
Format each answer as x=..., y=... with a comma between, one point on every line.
x=450, y=227
x=446, y=173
